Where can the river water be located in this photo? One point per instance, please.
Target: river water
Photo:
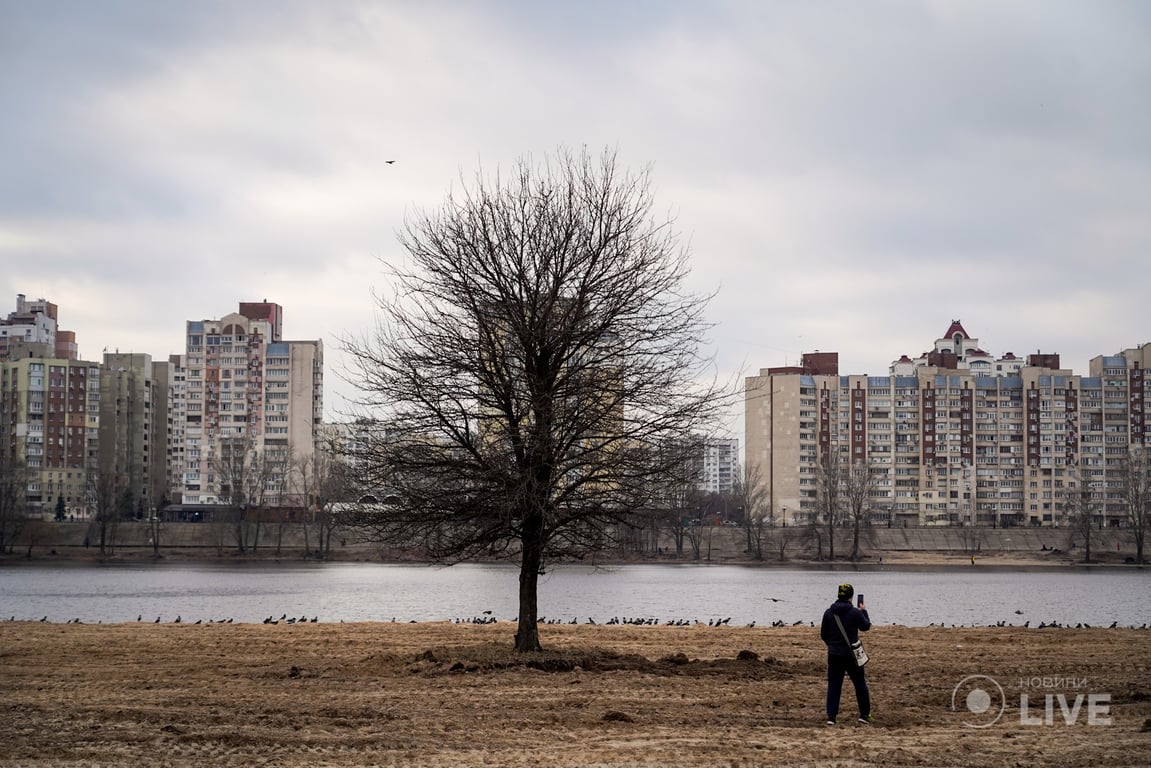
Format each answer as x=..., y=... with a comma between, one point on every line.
x=332, y=592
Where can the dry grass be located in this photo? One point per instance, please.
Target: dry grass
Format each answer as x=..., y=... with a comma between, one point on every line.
x=443, y=694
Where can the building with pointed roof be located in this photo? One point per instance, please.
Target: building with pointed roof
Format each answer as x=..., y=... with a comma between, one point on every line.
x=958, y=350
x=954, y=437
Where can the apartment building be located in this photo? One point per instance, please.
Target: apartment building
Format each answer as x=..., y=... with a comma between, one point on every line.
x=720, y=464
x=49, y=410
x=35, y=323
x=245, y=391
x=133, y=431
x=177, y=420
x=952, y=437
x=49, y=420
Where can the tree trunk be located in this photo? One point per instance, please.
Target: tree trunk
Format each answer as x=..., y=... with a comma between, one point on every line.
x=855, y=541
x=241, y=532
x=528, y=634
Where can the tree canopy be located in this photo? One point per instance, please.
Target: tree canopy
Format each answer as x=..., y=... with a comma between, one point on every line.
x=535, y=365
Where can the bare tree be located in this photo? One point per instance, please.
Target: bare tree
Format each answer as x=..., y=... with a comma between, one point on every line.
x=113, y=498
x=14, y=477
x=337, y=486
x=783, y=539
x=749, y=493
x=303, y=485
x=693, y=531
x=316, y=482
x=858, y=483
x=540, y=344
x=1135, y=474
x=675, y=493
x=242, y=472
x=829, y=493
x=1079, y=509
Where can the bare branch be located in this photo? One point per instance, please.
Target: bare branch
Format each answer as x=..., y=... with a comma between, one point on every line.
x=538, y=352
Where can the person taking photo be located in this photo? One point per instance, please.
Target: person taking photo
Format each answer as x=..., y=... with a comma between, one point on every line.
x=840, y=658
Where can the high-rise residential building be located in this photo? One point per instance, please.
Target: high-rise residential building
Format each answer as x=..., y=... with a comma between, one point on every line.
x=954, y=437
x=49, y=420
x=133, y=432
x=177, y=419
x=35, y=323
x=49, y=410
x=246, y=392
x=720, y=464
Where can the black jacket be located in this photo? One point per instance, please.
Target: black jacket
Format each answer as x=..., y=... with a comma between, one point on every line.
x=854, y=621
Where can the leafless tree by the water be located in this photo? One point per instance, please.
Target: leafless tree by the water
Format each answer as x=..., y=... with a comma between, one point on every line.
x=540, y=346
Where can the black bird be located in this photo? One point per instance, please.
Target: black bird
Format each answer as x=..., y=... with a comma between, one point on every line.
x=389, y=162
x=44, y=619
x=157, y=620
x=140, y=617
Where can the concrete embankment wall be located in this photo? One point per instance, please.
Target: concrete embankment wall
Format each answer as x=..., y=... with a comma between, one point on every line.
x=208, y=539
x=988, y=539
x=188, y=538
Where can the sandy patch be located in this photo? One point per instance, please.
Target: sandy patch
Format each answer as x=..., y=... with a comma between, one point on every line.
x=441, y=694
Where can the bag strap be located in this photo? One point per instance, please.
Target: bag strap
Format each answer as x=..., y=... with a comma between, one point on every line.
x=842, y=631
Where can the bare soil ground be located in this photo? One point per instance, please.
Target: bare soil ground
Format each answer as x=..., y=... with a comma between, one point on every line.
x=439, y=694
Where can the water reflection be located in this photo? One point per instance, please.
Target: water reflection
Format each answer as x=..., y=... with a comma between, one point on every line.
x=250, y=592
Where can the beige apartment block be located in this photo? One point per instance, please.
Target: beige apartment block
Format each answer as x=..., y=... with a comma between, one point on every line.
x=953, y=437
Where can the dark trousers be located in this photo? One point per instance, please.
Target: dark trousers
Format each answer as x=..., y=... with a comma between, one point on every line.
x=837, y=666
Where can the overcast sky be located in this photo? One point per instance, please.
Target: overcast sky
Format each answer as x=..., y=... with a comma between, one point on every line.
x=851, y=176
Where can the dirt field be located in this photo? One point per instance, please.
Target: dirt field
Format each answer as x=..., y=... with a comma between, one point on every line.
x=454, y=695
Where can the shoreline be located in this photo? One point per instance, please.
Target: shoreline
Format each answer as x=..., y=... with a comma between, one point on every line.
x=884, y=560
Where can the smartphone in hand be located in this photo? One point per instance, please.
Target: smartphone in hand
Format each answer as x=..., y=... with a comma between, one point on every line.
x=859, y=600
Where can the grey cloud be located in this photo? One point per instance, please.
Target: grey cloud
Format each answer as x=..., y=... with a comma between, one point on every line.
x=849, y=176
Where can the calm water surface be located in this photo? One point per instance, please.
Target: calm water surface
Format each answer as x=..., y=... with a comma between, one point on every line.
x=250, y=592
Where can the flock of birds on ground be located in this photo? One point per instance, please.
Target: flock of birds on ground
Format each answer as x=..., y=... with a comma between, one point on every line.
x=487, y=618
